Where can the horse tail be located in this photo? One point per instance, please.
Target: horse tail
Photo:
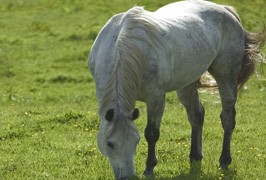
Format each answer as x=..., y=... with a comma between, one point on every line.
x=253, y=44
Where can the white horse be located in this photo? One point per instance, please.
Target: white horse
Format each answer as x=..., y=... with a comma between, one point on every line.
x=141, y=55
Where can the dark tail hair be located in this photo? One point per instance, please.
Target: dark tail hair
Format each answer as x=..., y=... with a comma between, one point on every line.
x=253, y=44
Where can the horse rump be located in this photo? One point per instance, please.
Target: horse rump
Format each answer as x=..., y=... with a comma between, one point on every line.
x=253, y=56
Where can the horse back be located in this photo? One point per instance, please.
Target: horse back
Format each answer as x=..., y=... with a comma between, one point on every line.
x=196, y=33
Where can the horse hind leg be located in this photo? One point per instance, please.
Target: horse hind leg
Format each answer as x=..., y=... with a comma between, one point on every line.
x=189, y=97
x=228, y=93
x=226, y=78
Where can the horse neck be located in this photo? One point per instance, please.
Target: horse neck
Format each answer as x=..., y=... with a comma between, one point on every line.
x=122, y=89
x=124, y=84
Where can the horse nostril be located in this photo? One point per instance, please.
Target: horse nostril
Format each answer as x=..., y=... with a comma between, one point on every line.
x=110, y=144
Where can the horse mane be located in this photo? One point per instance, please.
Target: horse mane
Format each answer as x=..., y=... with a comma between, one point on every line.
x=138, y=28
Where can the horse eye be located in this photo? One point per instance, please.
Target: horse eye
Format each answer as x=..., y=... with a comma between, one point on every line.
x=110, y=144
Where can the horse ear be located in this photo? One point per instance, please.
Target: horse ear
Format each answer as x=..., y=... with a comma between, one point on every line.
x=109, y=115
x=135, y=114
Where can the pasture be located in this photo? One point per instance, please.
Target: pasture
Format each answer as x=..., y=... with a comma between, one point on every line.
x=48, y=107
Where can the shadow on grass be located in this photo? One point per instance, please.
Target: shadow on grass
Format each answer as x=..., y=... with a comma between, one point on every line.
x=228, y=173
x=195, y=173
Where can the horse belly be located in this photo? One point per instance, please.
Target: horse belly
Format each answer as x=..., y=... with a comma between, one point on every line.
x=184, y=74
x=187, y=61
x=173, y=72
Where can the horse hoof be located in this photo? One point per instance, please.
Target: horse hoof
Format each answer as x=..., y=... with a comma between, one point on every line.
x=225, y=161
x=148, y=172
x=195, y=157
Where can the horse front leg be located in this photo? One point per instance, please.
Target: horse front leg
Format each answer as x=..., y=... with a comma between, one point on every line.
x=189, y=97
x=155, y=109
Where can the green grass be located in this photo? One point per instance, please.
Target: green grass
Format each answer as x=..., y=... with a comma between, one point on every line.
x=48, y=108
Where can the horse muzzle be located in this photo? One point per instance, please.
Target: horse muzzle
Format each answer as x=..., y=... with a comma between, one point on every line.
x=123, y=174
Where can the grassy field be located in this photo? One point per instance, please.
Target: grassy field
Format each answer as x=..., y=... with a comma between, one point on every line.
x=48, y=108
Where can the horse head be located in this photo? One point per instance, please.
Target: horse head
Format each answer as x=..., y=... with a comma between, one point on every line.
x=117, y=140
